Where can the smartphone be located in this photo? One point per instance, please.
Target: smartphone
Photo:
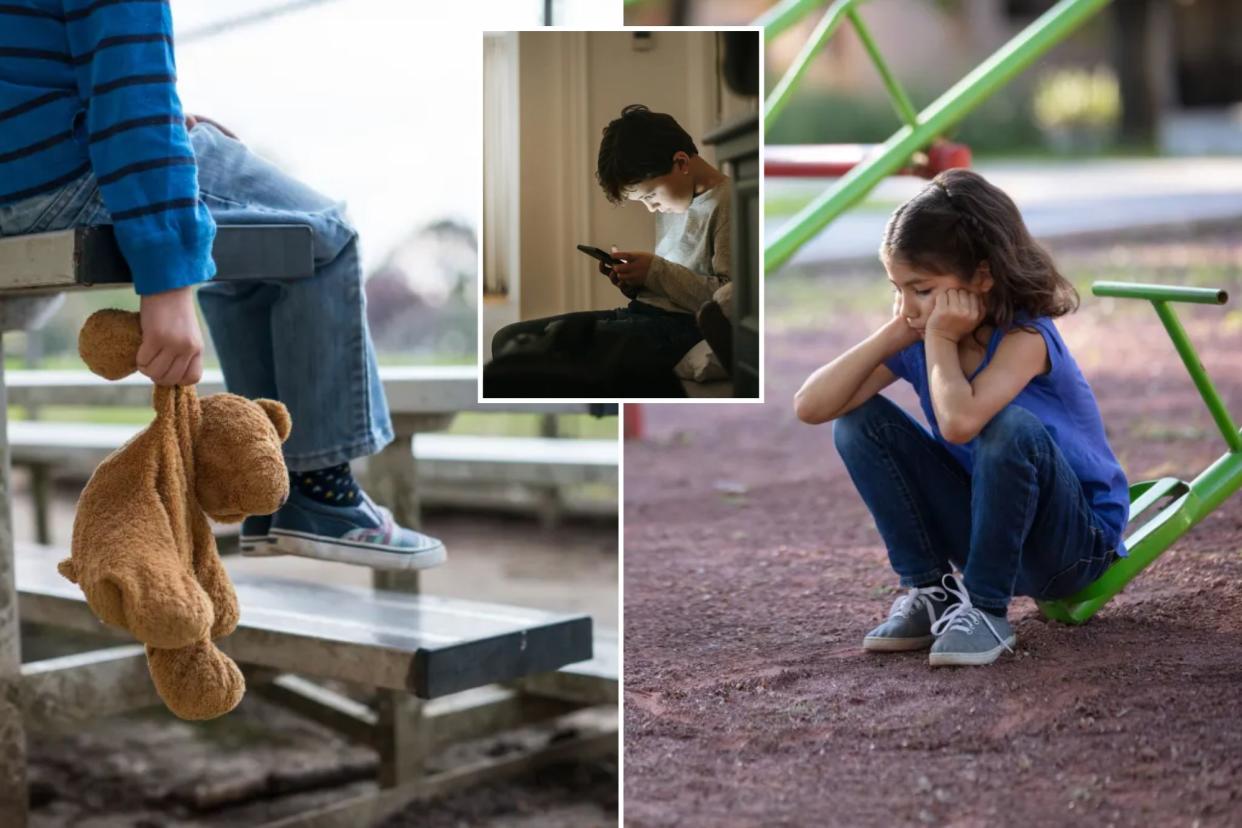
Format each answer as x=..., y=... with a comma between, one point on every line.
x=596, y=253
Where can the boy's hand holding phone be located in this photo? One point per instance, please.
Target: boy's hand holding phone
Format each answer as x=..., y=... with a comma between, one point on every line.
x=607, y=267
x=633, y=268
x=606, y=270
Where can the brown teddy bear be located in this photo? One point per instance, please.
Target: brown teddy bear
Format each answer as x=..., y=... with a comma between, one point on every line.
x=143, y=551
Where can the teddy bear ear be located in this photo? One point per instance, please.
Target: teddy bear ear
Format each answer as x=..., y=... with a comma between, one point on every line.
x=279, y=415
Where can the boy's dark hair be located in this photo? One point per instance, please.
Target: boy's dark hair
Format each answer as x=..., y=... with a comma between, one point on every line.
x=958, y=221
x=637, y=146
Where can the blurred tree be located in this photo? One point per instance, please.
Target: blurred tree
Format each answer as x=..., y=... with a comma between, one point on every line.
x=421, y=300
x=1141, y=56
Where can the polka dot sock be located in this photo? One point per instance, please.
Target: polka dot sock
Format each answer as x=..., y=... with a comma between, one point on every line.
x=334, y=485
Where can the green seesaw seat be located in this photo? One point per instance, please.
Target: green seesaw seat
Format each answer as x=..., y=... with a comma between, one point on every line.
x=1185, y=503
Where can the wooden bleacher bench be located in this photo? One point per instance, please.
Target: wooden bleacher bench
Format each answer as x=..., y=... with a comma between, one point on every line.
x=80, y=447
x=483, y=668
x=424, y=645
x=89, y=257
x=448, y=466
x=459, y=457
x=549, y=461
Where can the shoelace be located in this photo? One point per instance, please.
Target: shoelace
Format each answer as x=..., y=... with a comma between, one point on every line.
x=909, y=604
x=963, y=616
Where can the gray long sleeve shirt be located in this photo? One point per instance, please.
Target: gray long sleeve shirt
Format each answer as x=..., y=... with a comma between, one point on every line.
x=692, y=253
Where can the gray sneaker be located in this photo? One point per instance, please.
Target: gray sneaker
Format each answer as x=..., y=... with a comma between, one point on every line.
x=909, y=624
x=966, y=635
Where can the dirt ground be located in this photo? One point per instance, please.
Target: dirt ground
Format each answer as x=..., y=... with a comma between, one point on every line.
x=752, y=570
x=262, y=762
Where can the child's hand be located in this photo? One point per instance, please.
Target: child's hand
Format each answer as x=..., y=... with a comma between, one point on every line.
x=633, y=268
x=172, y=343
x=898, y=331
x=606, y=270
x=955, y=314
x=191, y=120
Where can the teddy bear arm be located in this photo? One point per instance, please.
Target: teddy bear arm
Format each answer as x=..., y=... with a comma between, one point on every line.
x=133, y=578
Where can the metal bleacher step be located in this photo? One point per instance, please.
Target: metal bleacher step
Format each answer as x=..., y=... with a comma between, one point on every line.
x=425, y=645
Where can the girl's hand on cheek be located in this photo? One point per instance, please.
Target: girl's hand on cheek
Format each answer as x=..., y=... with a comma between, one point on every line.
x=898, y=330
x=955, y=314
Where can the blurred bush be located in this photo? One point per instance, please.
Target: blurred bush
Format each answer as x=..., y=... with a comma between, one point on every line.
x=1078, y=109
x=1073, y=97
x=1001, y=125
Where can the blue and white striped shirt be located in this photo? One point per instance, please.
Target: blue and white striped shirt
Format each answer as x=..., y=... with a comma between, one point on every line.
x=89, y=85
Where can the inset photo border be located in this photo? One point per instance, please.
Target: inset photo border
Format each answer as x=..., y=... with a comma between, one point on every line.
x=621, y=214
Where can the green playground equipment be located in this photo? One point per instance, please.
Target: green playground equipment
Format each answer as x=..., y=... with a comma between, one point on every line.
x=1187, y=503
x=1184, y=504
x=920, y=131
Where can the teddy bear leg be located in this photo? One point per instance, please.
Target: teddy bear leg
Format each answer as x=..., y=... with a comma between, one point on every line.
x=197, y=682
x=163, y=606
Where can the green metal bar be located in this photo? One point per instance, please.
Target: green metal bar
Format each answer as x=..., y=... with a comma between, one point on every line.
x=1145, y=495
x=1186, y=351
x=1034, y=41
x=784, y=15
x=901, y=101
x=1160, y=293
x=784, y=89
x=1207, y=491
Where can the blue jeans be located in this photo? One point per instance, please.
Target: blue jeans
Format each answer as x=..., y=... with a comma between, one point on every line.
x=1018, y=524
x=304, y=342
x=670, y=334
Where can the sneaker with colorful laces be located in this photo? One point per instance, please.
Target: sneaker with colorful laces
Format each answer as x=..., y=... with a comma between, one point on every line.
x=364, y=534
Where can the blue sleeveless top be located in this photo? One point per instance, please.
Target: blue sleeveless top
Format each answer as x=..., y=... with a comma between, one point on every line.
x=1062, y=400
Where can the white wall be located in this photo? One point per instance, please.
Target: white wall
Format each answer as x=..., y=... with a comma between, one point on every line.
x=571, y=84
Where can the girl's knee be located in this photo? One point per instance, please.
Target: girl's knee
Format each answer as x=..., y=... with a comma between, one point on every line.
x=1012, y=428
x=850, y=428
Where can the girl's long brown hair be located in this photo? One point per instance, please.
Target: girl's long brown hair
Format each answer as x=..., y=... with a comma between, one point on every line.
x=959, y=221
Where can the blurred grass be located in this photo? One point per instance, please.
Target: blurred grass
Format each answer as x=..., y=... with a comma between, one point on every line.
x=424, y=359
x=99, y=414
x=776, y=205
x=800, y=298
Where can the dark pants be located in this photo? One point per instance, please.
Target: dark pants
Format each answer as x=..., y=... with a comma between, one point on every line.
x=1018, y=524
x=669, y=335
